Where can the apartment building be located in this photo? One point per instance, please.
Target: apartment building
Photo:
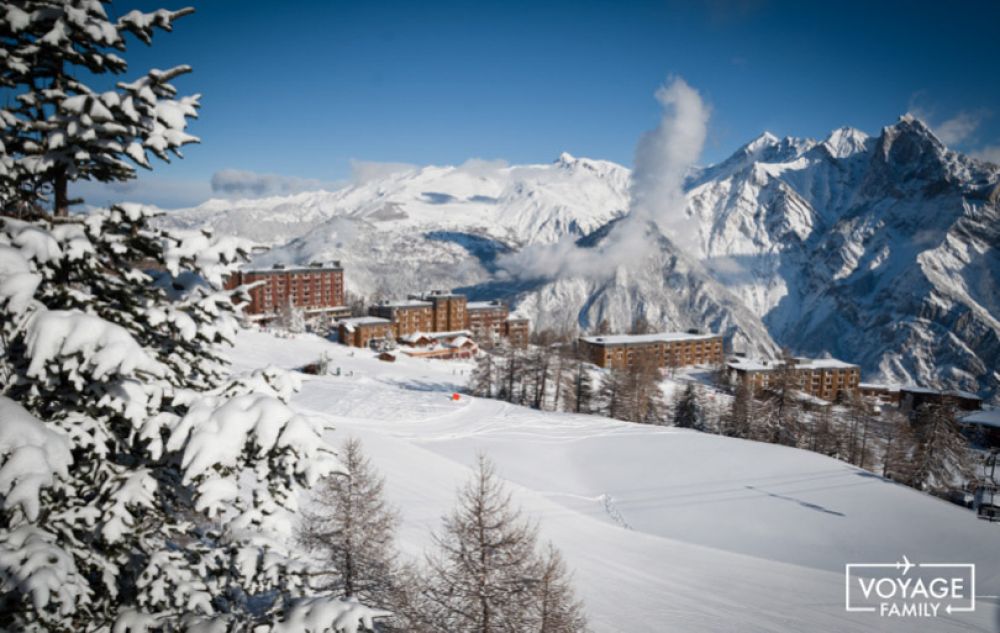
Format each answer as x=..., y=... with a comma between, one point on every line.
x=408, y=317
x=826, y=378
x=316, y=289
x=517, y=330
x=663, y=349
x=449, y=309
x=487, y=320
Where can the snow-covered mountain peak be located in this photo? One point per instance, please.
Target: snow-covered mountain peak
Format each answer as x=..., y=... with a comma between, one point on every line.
x=763, y=141
x=565, y=159
x=846, y=141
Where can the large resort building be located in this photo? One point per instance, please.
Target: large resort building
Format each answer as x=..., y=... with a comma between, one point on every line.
x=408, y=317
x=826, y=378
x=664, y=349
x=316, y=289
x=449, y=309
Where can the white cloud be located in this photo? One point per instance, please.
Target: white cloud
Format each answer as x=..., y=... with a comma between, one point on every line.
x=989, y=153
x=662, y=159
x=147, y=189
x=363, y=171
x=958, y=128
x=951, y=131
x=237, y=182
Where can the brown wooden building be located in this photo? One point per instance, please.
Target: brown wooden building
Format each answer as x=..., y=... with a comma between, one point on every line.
x=664, y=349
x=408, y=317
x=826, y=378
x=361, y=331
x=316, y=289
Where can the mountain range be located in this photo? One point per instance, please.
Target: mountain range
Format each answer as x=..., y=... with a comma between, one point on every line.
x=880, y=250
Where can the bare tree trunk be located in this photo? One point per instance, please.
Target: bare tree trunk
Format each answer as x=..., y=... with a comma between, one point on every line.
x=60, y=185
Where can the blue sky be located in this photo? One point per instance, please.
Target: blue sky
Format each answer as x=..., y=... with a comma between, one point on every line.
x=300, y=91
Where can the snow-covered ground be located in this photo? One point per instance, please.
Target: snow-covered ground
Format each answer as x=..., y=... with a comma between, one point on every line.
x=666, y=529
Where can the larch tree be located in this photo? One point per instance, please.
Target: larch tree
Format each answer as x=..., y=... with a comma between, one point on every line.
x=898, y=441
x=940, y=453
x=578, y=391
x=555, y=607
x=740, y=419
x=351, y=531
x=55, y=128
x=487, y=575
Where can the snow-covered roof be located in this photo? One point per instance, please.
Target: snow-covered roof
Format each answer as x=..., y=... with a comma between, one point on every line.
x=639, y=339
x=404, y=303
x=364, y=320
x=748, y=364
x=282, y=268
x=484, y=305
x=460, y=341
x=957, y=393
x=986, y=417
x=874, y=385
x=517, y=317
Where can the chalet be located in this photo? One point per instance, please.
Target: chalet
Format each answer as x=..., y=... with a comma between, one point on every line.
x=362, y=331
x=317, y=289
x=664, y=349
x=442, y=345
x=826, y=378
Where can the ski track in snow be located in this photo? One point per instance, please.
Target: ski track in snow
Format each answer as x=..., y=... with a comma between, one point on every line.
x=665, y=529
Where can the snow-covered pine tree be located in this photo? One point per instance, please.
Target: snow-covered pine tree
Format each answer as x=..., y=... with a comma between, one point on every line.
x=686, y=409
x=55, y=128
x=350, y=531
x=487, y=576
x=292, y=318
x=155, y=490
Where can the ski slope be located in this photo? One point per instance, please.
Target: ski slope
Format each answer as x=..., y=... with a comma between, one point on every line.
x=665, y=529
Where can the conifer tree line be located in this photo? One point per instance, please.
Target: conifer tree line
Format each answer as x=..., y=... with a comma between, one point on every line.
x=924, y=448
x=486, y=572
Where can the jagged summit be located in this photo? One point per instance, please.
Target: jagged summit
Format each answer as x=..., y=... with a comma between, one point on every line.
x=866, y=248
x=846, y=141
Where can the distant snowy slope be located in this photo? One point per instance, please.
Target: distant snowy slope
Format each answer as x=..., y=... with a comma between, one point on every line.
x=512, y=204
x=878, y=250
x=665, y=529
